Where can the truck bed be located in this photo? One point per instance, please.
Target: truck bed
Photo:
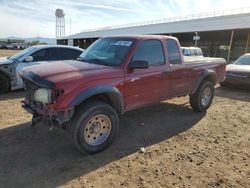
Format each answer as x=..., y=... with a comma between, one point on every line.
x=192, y=59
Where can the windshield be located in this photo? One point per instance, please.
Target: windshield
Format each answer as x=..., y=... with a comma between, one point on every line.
x=243, y=60
x=21, y=54
x=107, y=51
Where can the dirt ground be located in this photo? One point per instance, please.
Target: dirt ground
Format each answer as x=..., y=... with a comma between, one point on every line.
x=182, y=148
x=4, y=53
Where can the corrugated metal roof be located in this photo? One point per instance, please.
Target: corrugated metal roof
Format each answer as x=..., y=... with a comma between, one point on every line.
x=211, y=22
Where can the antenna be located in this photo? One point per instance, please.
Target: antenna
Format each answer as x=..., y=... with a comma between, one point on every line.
x=60, y=23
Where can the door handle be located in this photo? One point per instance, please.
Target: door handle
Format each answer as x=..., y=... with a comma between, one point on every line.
x=166, y=72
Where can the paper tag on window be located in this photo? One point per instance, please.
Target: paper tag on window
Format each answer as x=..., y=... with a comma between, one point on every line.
x=123, y=43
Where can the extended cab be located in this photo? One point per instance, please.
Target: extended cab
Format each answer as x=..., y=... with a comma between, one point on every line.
x=115, y=75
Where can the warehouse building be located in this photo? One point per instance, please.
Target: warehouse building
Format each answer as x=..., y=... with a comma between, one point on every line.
x=219, y=34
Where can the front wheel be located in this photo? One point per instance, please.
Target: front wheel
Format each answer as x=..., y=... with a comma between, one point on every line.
x=94, y=127
x=202, y=99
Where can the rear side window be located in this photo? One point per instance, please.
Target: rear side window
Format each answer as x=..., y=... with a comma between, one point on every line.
x=187, y=52
x=68, y=54
x=199, y=52
x=173, y=52
x=194, y=52
x=150, y=51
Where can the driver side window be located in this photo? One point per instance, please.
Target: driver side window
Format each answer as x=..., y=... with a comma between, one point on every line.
x=150, y=51
x=40, y=55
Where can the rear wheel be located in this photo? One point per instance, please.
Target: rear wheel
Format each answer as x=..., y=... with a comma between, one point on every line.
x=4, y=83
x=202, y=99
x=94, y=127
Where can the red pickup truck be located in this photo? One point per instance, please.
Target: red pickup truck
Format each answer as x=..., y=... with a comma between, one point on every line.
x=115, y=75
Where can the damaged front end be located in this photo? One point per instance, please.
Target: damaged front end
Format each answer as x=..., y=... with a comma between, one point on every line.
x=41, y=100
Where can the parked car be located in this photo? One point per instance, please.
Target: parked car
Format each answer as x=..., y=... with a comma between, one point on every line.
x=23, y=46
x=13, y=46
x=11, y=66
x=3, y=46
x=192, y=51
x=112, y=76
x=238, y=73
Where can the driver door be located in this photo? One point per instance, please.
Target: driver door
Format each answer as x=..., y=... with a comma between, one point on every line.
x=148, y=85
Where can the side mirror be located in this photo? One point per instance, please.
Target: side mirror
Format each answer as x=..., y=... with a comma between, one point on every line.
x=139, y=64
x=28, y=59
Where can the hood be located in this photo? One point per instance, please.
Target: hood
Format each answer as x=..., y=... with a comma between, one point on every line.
x=238, y=68
x=5, y=61
x=60, y=71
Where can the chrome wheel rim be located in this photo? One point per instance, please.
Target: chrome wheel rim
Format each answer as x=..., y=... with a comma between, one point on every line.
x=97, y=130
x=206, y=96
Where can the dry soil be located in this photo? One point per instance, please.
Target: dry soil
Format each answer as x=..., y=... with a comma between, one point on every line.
x=183, y=148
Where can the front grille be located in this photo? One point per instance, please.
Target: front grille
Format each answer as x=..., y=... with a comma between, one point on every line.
x=30, y=88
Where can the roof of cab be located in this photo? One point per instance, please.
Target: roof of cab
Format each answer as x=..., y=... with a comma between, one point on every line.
x=57, y=46
x=144, y=37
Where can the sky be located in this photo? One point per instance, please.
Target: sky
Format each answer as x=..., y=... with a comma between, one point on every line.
x=33, y=18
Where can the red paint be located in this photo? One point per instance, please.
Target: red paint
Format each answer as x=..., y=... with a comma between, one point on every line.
x=138, y=87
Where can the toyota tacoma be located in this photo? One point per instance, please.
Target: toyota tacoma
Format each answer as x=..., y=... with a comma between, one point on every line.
x=115, y=75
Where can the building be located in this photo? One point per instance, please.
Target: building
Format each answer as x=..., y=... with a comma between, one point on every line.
x=219, y=34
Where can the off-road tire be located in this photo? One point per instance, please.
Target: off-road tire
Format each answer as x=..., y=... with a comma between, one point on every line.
x=196, y=98
x=81, y=120
x=4, y=84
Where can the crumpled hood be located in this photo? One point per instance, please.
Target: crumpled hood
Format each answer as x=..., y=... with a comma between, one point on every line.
x=60, y=71
x=5, y=61
x=238, y=68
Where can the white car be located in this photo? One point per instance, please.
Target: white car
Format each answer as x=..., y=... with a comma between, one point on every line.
x=192, y=51
x=11, y=66
x=13, y=46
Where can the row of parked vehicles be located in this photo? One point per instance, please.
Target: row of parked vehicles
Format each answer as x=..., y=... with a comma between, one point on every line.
x=13, y=46
x=87, y=94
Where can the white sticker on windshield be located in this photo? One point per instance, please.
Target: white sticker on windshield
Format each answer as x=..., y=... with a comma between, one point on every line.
x=123, y=43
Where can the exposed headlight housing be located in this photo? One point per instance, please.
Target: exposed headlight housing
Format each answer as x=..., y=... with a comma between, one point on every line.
x=43, y=95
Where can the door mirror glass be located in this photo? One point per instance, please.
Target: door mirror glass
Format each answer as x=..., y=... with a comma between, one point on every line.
x=139, y=64
x=28, y=59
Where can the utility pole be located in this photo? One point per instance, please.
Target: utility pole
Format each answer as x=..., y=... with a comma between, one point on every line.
x=230, y=45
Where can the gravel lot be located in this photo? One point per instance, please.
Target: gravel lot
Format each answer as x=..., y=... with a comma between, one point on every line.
x=182, y=148
x=4, y=53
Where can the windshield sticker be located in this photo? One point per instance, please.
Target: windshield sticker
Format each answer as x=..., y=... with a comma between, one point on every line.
x=123, y=43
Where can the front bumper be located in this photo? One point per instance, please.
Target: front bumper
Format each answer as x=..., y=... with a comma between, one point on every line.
x=54, y=116
x=28, y=108
x=237, y=82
